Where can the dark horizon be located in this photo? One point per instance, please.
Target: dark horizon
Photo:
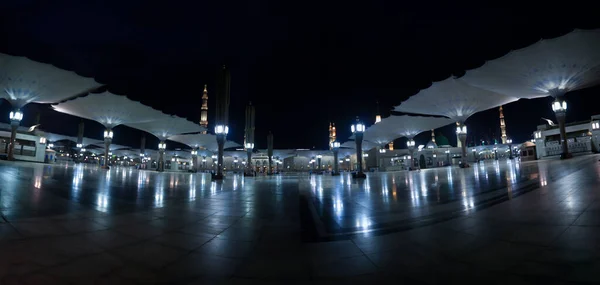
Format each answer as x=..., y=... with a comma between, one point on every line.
x=301, y=71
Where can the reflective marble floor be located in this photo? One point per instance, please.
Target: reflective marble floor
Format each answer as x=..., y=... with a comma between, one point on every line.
x=498, y=222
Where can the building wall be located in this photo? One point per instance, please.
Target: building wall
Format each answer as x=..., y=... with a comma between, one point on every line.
x=581, y=138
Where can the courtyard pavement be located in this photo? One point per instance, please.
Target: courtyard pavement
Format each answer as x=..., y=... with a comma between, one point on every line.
x=499, y=222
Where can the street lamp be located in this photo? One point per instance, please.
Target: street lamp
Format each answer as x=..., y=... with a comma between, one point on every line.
x=108, y=136
x=411, y=149
x=162, y=146
x=559, y=106
x=496, y=153
x=510, y=153
x=358, y=129
x=15, y=120
x=249, y=147
x=319, y=161
x=221, y=132
x=335, y=148
x=461, y=131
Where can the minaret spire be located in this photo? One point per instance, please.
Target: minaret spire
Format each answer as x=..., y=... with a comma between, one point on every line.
x=502, y=126
x=432, y=135
x=204, y=109
x=332, y=135
x=377, y=115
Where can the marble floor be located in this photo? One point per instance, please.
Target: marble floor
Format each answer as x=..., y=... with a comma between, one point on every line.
x=498, y=222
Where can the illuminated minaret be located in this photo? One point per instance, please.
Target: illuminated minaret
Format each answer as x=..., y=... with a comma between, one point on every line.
x=204, y=110
x=377, y=116
x=391, y=145
x=331, y=133
x=432, y=136
x=502, y=126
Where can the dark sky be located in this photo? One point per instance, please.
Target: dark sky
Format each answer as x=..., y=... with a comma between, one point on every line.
x=302, y=64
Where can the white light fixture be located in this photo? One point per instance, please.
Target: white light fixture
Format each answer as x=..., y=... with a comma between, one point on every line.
x=16, y=116
x=162, y=146
x=319, y=156
x=108, y=134
x=357, y=128
x=410, y=143
x=42, y=140
x=79, y=145
x=461, y=130
x=538, y=135
x=509, y=141
x=382, y=150
x=51, y=145
x=249, y=146
x=221, y=129
x=559, y=106
x=194, y=152
x=83, y=150
x=335, y=144
x=347, y=159
x=365, y=155
x=595, y=125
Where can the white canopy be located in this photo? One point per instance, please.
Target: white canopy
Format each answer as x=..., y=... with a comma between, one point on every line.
x=23, y=81
x=207, y=141
x=454, y=99
x=165, y=126
x=394, y=127
x=112, y=147
x=52, y=137
x=568, y=62
x=366, y=145
x=109, y=109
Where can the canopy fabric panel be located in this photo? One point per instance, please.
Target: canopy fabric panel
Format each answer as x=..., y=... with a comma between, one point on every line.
x=568, y=62
x=206, y=141
x=23, y=81
x=109, y=109
x=165, y=126
x=454, y=99
x=366, y=145
x=394, y=127
x=52, y=137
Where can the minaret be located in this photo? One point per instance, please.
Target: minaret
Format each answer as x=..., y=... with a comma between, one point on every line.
x=432, y=135
x=204, y=109
x=502, y=126
x=377, y=116
x=331, y=133
x=391, y=145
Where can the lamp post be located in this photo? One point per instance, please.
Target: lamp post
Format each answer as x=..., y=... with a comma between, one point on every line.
x=15, y=120
x=559, y=106
x=461, y=131
x=510, y=153
x=411, y=149
x=249, y=148
x=221, y=132
x=447, y=156
x=214, y=161
x=194, y=160
x=335, y=148
x=358, y=130
x=108, y=135
x=496, y=153
x=474, y=155
x=161, y=156
x=203, y=163
x=319, y=157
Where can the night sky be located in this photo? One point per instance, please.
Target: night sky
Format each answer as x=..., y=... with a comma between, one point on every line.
x=302, y=64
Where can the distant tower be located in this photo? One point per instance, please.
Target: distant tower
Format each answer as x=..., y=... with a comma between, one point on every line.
x=432, y=135
x=391, y=145
x=331, y=133
x=204, y=110
x=377, y=116
x=502, y=126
